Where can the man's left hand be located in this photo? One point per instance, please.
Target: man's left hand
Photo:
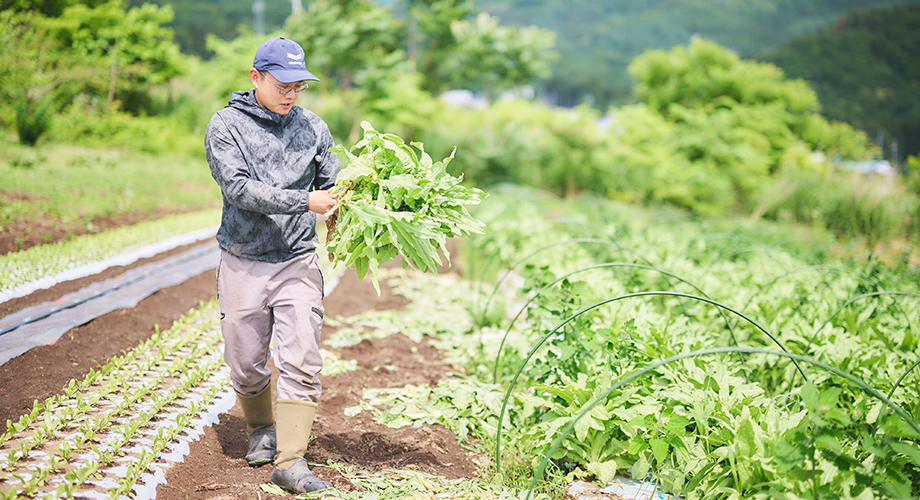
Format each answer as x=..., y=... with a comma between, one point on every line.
x=322, y=202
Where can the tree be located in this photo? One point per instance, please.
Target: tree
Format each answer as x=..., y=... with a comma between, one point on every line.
x=32, y=68
x=49, y=8
x=488, y=57
x=706, y=75
x=598, y=39
x=102, y=53
x=129, y=50
x=430, y=36
x=195, y=20
x=228, y=69
x=865, y=72
x=452, y=51
x=342, y=38
x=738, y=124
x=709, y=78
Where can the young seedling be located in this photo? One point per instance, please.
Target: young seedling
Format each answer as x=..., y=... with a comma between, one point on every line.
x=56, y=462
x=66, y=489
x=105, y=456
x=65, y=450
x=12, y=457
x=24, y=448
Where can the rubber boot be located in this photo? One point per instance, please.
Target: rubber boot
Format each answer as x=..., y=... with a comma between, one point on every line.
x=260, y=426
x=295, y=423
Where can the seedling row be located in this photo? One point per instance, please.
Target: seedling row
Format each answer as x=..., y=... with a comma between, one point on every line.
x=103, y=433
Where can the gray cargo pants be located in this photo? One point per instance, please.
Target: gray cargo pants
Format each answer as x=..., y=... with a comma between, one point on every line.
x=258, y=299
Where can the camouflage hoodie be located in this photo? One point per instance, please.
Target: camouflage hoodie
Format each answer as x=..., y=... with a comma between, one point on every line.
x=266, y=164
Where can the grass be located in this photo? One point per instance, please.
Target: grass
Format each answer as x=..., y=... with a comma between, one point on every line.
x=873, y=211
x=73, y=185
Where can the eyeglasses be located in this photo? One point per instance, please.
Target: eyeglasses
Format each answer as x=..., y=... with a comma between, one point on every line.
x=286, y=89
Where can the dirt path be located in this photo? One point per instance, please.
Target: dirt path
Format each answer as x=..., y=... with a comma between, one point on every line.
x=215, y=467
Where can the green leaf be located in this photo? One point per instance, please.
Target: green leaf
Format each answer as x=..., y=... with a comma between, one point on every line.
x=677, y=424
x=789, y=451
x=637, y=445
x=361, y=267
x=660, y=449
x=369, y=214
x=640, y=468
x=909, y=450
x=604, y=471
x=745, y=437
x=829, y=441
x=872, y=414
x=273, y=489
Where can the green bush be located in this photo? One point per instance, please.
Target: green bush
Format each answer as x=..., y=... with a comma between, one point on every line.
x=795, y=198
x=913, y=174
x=643, y=164
x=400, y=106
x=913, y=219
x=33, y=119
x=340, y=112
x=713, y=164
x=154, y=135
x=865, y=206
x=526, y=143
x=851, y=205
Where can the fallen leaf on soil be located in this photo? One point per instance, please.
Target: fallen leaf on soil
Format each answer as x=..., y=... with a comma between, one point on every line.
x=273, y=489
x=211, y=487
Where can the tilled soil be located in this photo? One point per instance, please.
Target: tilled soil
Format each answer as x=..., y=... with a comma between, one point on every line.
x=27, y=232
x=215, y=467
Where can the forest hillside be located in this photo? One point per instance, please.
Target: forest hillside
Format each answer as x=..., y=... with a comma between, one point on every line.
x=595, y=40
x=865, y=73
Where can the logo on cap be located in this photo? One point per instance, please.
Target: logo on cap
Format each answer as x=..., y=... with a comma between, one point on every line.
x=295, y=59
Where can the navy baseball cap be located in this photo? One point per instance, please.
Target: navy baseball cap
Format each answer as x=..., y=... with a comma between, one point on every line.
x=284, y=59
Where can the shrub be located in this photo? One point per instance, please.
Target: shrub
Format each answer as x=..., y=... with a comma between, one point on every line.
x=866, y=206
x=526, y=143
x=155, y=135
x=33, y=119
x=913, y=174
x=851, y=205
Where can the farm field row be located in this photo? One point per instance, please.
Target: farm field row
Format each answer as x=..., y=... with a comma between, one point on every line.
x=106, y=431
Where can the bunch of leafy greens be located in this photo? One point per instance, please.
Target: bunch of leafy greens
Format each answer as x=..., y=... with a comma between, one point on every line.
x=394, y=200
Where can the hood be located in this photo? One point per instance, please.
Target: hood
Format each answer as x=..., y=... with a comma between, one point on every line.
x=245, y=101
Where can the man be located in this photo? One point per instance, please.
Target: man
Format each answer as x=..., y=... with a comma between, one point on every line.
x=272, y=162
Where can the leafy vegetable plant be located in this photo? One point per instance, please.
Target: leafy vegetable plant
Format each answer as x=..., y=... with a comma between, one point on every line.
x=714, y=426
x=396, y=200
